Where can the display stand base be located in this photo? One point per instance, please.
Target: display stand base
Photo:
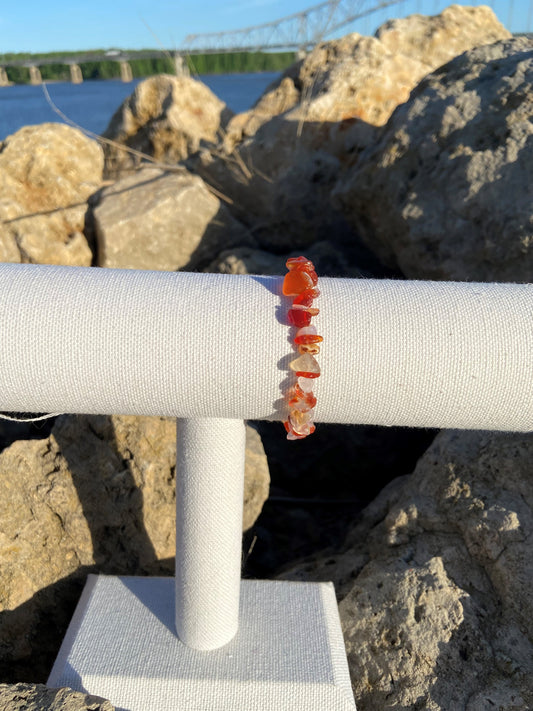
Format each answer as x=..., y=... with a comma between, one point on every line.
x=288, y=653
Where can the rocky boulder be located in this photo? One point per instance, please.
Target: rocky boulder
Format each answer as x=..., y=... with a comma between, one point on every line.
x=36, y=697
x=328, y=258
x=435, y=582
x=166, y=117
x=97, y=495
x=277, y=186
x=435, y=40
x=360, y=80
x=446, y=192
x=281, y=96
x=47, y=174
x=278, y=162
x=162, y=220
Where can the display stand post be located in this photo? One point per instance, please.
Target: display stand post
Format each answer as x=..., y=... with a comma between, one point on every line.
x=209, y=496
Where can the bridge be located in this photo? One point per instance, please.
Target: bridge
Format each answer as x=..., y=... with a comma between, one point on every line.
x=298, y=32
x=122, y=57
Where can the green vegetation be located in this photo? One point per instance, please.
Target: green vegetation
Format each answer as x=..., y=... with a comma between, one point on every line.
x=223, y=63
x=226, y=63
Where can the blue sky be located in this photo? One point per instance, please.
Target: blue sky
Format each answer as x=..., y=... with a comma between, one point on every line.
x=37, y=26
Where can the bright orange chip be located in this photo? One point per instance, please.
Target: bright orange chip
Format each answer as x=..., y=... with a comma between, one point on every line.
x=295, y=282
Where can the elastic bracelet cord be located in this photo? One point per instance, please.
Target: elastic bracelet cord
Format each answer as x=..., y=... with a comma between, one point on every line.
x=301, y=282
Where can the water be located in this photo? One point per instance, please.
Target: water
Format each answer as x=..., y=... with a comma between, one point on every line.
x=92, y=103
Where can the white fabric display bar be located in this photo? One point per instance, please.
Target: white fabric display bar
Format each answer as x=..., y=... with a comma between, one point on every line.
x=209, y=495
x=427, y=354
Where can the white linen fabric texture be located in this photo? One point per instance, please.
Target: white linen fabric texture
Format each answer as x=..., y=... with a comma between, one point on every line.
x=407, y=353
x=209, y=494
x=289, y=652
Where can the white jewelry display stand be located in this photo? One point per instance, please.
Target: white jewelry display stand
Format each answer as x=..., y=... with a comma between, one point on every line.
x=287, y=654
x=213, y=350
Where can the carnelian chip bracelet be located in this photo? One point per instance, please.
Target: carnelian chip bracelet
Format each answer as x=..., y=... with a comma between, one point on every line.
x=300, y=282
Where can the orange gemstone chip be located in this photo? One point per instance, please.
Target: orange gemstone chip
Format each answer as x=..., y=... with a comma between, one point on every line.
x=299, y=399
x=307, y=334
x=295, y=282
x=300, y=263
x=311, y=348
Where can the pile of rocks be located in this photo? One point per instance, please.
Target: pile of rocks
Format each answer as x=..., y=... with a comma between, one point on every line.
x=409, y=154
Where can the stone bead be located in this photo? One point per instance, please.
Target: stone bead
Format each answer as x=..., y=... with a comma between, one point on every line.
x=292, y=435
x=298, y=317
x=300, y=400
x=295, y=282
x=305, y=364
x=302, y=422
x=307, y=334
x=300, y=263
x=306, y=384
x=311, y=348
x=313, y=293
x=305, y=299
x=290, y=432
x=309, y=309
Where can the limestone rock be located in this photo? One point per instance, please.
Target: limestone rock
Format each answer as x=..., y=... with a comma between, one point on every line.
x=278, y=187
x=97, y=495
x=435, y=582
x=163, y=221
x=358, y=81
x=36, y=697
x=436, y=40
x=247, y=260
x=256, y=478
x=47, y=173
x=446, y=193
x=279, y=162
x=166, y=117
x=279, y=97
x=328, y=258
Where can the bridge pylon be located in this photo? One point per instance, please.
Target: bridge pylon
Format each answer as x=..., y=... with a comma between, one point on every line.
x=125, y=72
x=35, y=75
x=76, y=77
x=4, y=79
x=180, y=65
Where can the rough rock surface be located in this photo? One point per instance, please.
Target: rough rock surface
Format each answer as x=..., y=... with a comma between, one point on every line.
x=256, y=478
x=47, y=173
x=97, y=495
x=435, y=40
x=36, y=697
x=362, y=79
x=247, y=260
x=166, y=117
x=435, y=582
x=163, y=221
x=279, y=187
x=328, y=258
x=446, y=193
x=277, y=99
x=279, y=162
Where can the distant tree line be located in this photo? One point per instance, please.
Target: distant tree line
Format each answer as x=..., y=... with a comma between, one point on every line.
x=223, y=63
